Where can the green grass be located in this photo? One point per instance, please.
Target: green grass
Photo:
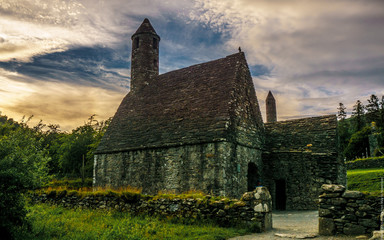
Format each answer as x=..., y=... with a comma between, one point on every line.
x=49, y=222
x=70, y=183
x=365, y=180
x=365, y=159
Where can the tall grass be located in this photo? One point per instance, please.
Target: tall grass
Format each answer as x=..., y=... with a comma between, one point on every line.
x=49, y=222
x=365, y=180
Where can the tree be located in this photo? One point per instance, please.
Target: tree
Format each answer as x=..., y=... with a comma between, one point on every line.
x=381, y=112
x=341, y=114
x=22, y=167
x=373, y=109
x=358, y=116
x=79, y=145
x=343, y=126
x=358, y=145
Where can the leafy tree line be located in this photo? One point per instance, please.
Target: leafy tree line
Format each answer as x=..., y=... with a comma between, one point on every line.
x=30, y=156
x=365, y=124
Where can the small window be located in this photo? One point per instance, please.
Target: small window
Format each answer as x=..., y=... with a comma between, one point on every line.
x=154, y=43
x=155, y=63
x=137, y=42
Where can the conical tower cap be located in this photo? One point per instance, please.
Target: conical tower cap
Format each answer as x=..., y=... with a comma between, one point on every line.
x=146, y=27
x=270, y=95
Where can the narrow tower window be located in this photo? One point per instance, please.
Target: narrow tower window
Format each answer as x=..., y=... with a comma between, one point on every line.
x=154, y=43
x=137, y=42
x=155, y=63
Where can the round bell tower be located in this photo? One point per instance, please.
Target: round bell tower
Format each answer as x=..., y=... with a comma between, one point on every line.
x=145, y=56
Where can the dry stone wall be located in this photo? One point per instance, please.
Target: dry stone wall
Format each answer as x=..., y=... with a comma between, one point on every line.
x=254, y=210
x=366, y=163
x=347, y=212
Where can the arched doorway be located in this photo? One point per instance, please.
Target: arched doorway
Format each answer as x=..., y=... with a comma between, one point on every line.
x=253, y=176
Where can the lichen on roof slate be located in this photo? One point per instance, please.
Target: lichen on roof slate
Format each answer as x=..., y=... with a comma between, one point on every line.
x=186, y=106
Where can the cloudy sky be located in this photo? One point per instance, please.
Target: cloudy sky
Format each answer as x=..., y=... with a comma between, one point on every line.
x=64, y=60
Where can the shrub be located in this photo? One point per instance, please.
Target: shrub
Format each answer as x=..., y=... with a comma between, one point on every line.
x=378, y=152
x=22, y=167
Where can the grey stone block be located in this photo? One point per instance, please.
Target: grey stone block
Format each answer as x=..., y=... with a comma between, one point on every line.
x=326, y=226
x=353, y=229
x=353, y=194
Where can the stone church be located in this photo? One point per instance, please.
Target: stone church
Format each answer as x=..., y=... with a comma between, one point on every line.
x=200, y=128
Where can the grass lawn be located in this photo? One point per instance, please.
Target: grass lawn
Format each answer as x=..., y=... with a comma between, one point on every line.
x=49, y=222
x=365, y=180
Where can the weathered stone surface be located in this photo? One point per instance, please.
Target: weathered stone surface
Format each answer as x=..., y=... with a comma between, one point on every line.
x=349, y=217
x=353, y=213
x=270, y=104
x=262, y=193
x=247, y=196
x=361, y=214
x=300, y=157
x=338, y=201
x=325, y=213
x=367, y=163
x=368, y=223
x=353, y=229
x=330, y=195
x=220, y=168
x=377, y=235
x=225, y=212
x=352, y=194
x=261, y=207
x=333, y=188
x=365, y=207
x=200, y=127
x=326, y=226
x=268, y=222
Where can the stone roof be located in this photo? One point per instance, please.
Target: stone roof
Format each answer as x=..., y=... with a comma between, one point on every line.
x=314, y=134
x=270, y=96
x=145, y=27
x=187, y=106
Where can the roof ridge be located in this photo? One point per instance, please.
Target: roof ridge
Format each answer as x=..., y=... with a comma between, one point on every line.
x=303, y=119
x=204, y=63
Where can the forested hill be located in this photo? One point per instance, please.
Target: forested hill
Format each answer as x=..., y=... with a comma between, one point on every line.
x=365, y=126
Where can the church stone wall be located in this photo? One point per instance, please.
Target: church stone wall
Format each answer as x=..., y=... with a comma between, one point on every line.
x=303, y=174
x=219, y=168
x=301, y=155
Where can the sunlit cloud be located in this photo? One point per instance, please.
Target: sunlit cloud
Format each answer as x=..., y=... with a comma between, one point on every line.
x=68, y=105
x=320, y=52
x=310, y=54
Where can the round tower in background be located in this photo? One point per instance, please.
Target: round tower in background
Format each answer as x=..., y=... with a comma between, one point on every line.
x=270, y=104
x=145, y=56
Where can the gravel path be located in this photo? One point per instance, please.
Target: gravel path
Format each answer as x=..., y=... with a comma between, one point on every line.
x=292, y=225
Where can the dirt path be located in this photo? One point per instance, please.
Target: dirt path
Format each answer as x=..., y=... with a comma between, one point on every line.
x=292, y=225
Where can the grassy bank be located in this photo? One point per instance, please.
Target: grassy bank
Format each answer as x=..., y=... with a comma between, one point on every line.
x=365, y=180
x=50, y=222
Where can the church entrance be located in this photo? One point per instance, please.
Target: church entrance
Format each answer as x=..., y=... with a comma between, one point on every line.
x=253, y=177
x=280, y=194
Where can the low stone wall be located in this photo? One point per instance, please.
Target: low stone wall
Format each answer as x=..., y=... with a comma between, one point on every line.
x=347, y=212
x=254, y=210
x=366, y=163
